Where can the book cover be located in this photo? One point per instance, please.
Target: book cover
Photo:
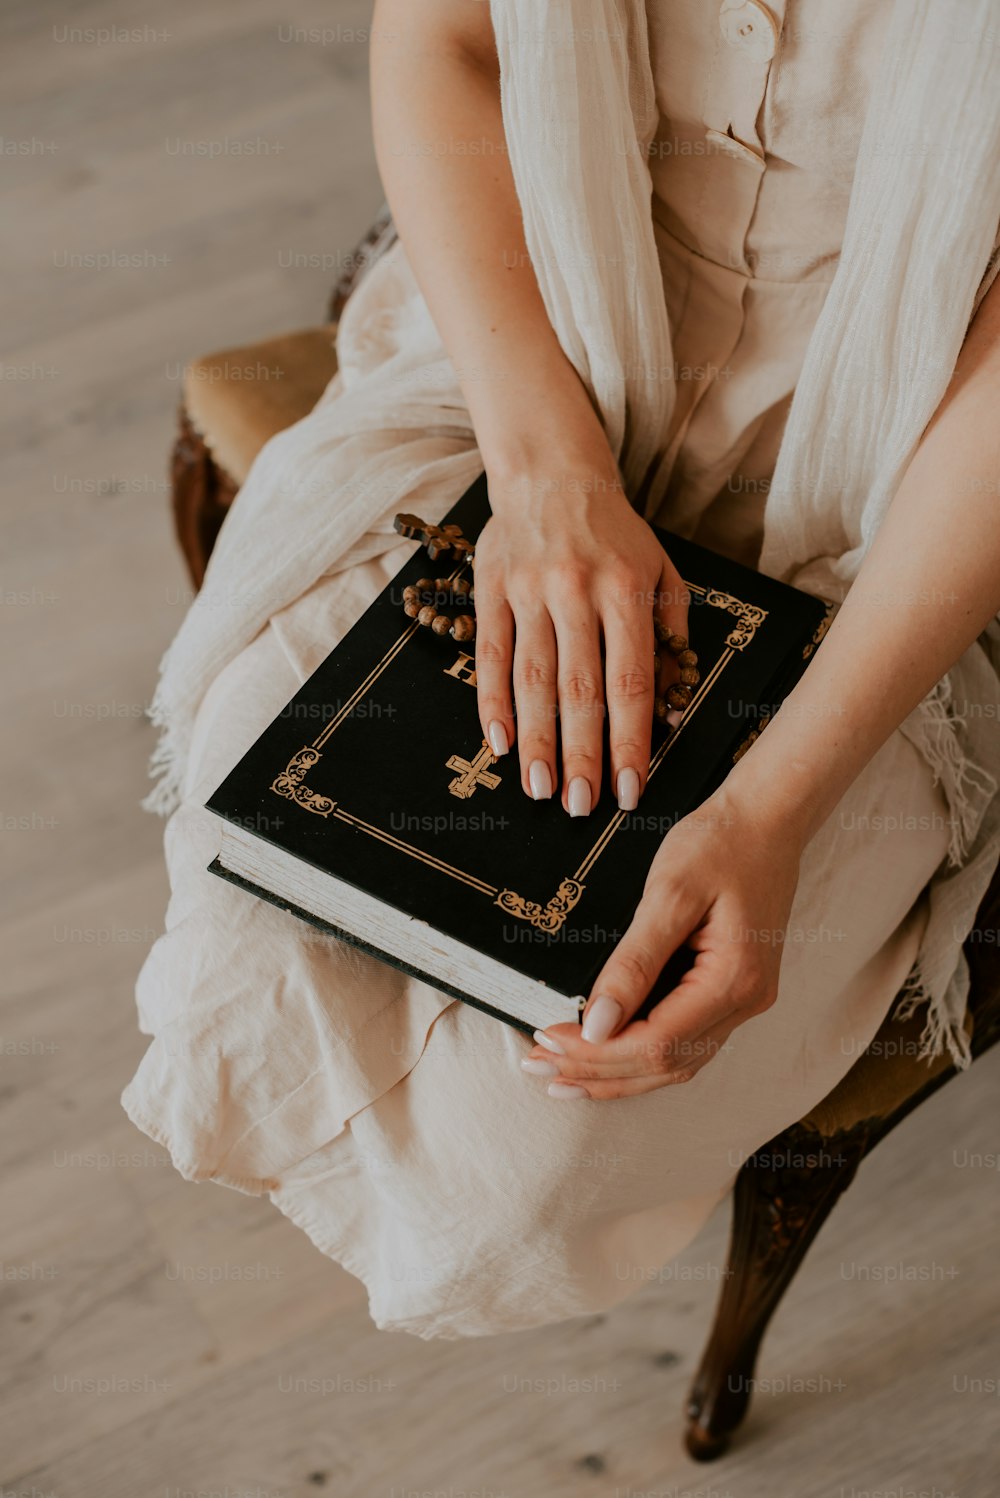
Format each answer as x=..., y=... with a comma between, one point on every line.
x=377, y=774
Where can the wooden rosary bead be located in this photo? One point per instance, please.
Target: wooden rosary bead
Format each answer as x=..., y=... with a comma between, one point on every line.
x=424, y=585
x=464, y=628
x=687, y=658
x=661, y=631
x=678, y=697
x=690, y=676
x=441, y=625
x=427, y=614
x=443, y=584
x=412, y=607
x=660, y=710
x=677, y=643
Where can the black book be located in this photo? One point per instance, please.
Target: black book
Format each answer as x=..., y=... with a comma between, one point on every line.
x=373, y=808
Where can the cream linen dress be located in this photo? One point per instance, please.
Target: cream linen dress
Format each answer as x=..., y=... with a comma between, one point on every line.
x=394, y=1125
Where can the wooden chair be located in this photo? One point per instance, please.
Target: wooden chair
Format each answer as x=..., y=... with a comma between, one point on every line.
x=225, y=418
x=778, y=1207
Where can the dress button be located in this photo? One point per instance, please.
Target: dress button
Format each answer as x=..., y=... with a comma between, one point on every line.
x=750, y=26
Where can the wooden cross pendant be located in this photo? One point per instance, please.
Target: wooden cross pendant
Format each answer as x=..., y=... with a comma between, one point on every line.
x=440, y=540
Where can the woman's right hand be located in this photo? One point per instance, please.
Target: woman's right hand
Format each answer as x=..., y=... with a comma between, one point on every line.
x=565, y=566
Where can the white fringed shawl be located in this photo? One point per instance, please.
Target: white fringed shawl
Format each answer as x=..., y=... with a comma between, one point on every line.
x=579, y=112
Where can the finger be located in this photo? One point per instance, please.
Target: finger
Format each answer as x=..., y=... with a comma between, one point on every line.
x=686, y=1057
x=581, y=708
x=494, y=666
x=535, y=698
x=649, y=1055
x=683, y=1015
x=721, y=991
x=607, y=1089
x=629, y=646
x=717, y=988
x=667, y=913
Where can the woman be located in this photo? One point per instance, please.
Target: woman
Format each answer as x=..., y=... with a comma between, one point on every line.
x=622, y=259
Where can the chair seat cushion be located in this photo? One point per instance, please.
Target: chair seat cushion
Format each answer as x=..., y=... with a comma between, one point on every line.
x=240, y=398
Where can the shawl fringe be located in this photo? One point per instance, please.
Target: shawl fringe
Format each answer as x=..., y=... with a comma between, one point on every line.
x=967, y=786
x=940, y=1030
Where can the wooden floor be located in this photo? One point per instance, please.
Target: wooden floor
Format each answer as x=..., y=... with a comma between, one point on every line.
x=160, y=1338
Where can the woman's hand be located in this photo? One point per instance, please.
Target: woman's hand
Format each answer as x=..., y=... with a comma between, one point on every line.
x=563, y=567
x=564, y=560
x=723, y=880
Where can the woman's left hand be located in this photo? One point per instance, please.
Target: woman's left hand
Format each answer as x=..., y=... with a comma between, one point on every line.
x=723, y=881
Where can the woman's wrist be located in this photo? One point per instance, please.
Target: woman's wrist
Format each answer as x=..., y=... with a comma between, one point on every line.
x=567, y=478
x=557, y=470
x=530, y=441
x=759, y=797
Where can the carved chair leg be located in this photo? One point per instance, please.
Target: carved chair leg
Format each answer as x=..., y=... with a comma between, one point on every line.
x=202, y=494
x=782, y=1197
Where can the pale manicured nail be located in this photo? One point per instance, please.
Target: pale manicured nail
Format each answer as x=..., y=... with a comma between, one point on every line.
x=601, y=1019
x=566, y=1090
x=578, y=797
x=540, y=780
x=497, y=735
x=628, y=790
x=540, y=1068
x=540, y=1038
x=674, y=718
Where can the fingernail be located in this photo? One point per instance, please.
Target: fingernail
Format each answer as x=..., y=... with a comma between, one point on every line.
x=578, y=797
x=566, y=1090
x=541, y=1038
x=497, y=735
x=628, y=790
x=540, y=780
x=601, y=1019
x=674, y=718
x=540, y=1068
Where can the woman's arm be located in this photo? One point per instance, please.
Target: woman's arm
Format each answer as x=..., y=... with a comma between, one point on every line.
x=441, y=150
x=565, y=561
x=929, y=584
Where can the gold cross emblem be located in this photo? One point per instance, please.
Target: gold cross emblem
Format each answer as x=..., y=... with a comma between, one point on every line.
x=473, y=773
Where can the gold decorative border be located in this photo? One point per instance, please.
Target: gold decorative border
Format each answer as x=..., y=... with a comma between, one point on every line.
x=751, y=738
x=546, y=917
x=549, y=917
x=820, y=631
x=749, y=617
x=291, y=783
